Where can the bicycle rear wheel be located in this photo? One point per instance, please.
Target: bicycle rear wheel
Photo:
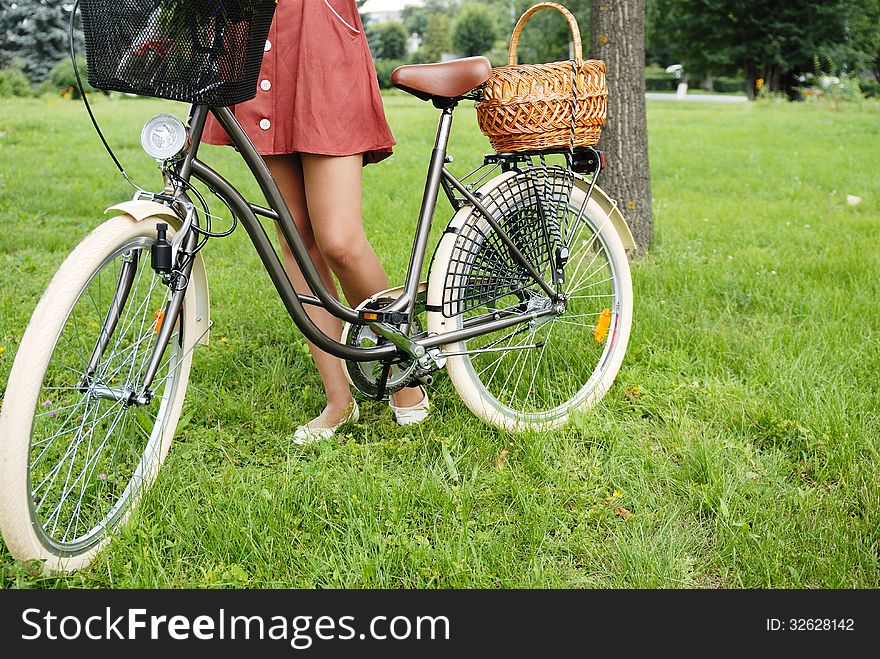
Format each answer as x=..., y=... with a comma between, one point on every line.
x=533, y=375
x=75, y=456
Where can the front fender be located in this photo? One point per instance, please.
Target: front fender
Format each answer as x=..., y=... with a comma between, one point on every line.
x=140, y=210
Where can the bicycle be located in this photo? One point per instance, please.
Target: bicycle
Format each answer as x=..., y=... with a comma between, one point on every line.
x=527, y=304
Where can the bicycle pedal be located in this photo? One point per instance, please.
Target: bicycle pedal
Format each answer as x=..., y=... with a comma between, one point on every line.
x=388, y=318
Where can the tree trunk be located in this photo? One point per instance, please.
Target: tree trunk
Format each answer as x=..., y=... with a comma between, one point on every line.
x=617, y=30
x=751, y=80
x=708, y=83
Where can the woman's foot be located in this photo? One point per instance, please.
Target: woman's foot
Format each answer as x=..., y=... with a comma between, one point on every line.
x=409, y=412
x=325, y=425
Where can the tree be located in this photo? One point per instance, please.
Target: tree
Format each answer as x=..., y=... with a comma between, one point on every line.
x=437, y=39
x=390, y=41
x=861, y=49
x=618, y=38
x=33, y=32
x=415, y=20
x=547, y=35
x=474, y=30
x=774, y=40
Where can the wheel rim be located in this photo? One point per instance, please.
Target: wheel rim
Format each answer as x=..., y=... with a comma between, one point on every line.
x=565, y=367
x=90, y=456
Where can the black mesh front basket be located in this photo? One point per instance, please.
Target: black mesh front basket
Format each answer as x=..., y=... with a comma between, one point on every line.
x=197, y=51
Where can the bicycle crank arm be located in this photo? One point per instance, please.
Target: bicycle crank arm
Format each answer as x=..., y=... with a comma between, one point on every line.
x=398, y=339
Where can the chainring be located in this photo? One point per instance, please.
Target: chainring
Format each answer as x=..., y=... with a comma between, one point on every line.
x=367, y=376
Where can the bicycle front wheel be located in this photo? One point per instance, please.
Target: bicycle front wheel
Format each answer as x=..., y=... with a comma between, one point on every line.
x=534, y=375
x=75, y=452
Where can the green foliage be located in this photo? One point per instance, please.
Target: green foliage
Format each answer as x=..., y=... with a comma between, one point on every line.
x=390, y=41
x=771, y=40
x=547, y=35
x=384, y=69
x=13, y=82
x=63, y=79
x=415, y=20
x=657, y=80
x=416, y=17
x=438, y=39
x=741, y=434
x=474, y=30
x=418, y=57
x=870, y=88
x=728, y=84
x=34, y=32
x=859, y=50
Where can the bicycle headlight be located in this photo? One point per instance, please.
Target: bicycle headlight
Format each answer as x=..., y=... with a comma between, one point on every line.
x=164, y=137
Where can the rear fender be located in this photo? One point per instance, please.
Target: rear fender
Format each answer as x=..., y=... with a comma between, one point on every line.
x=609, y=205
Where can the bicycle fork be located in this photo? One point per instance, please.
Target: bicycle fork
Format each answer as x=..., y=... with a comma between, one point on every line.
x=141, y=395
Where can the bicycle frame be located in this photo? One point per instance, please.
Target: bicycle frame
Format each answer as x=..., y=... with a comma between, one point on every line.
x=278, y=211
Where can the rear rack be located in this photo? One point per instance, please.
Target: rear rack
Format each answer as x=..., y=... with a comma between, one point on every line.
x=584, y=160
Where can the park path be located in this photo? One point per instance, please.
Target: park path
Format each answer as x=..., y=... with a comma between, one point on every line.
x=705, y=98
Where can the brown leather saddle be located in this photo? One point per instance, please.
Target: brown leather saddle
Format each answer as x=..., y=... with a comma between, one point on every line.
x=444, y=81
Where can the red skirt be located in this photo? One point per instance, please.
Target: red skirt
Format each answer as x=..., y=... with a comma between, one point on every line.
x=317, y=91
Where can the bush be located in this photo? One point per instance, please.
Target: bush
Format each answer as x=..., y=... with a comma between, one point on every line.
x=498, y=54
x=657, y=80
x=384, y=68
x=63, y=79
x=829, y=89
x=13, y=82
x=658, y=84
x=417, y=57
x=391, y=41
x=725, y=85
x=870, y=88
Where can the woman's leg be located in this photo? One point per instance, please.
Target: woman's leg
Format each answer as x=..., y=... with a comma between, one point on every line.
x=287, y=172
x=333, y=197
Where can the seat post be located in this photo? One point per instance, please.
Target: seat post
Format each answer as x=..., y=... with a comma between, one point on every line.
x=426, y=214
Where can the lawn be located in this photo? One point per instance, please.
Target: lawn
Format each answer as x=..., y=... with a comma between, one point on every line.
x=738, y=448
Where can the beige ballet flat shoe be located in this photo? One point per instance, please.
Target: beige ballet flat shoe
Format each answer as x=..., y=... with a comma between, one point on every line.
x=415, y=414
x=314, y=431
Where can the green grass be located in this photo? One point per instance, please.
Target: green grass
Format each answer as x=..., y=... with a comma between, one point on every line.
x=742, y=432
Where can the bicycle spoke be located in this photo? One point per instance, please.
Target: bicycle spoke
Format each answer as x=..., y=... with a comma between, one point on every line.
x=86, y=478
x=559, y=360
x=532, y=389
x=71, y=447
x=90, y=454
x=54, y=411
x=584, y=282
x=75, y=444
x=50, y=439
x=67, y=490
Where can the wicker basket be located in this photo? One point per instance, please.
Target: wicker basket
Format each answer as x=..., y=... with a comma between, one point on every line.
x=541, y=107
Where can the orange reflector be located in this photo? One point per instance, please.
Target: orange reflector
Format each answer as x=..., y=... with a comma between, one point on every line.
x=158, y=317
x=602, y=326
x=371, y=316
